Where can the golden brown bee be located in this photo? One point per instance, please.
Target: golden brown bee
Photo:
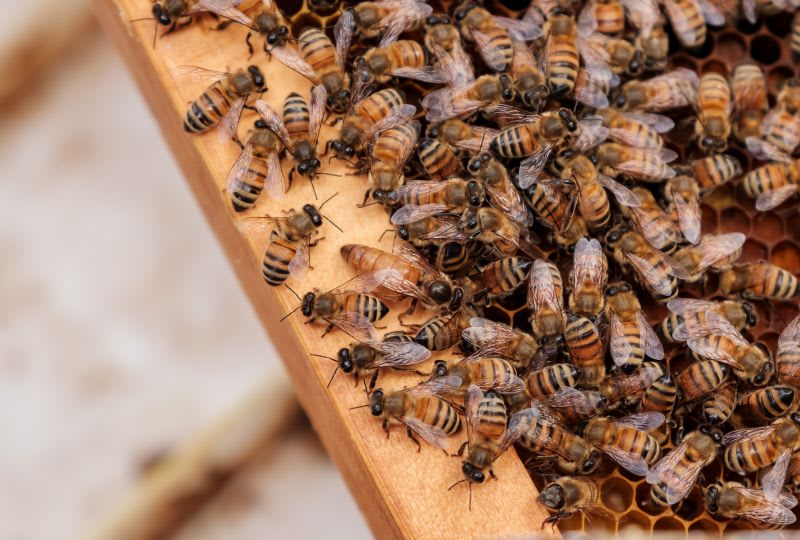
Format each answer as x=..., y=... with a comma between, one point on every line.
x=573, y=406
x=715, y=251
x=769, y=178
x=349, y=309
x=327, y=61
x=656, y=271
x=403, y=58
x=387, y=19
x=588, y=277
x=591, y=90
x=645, y=164
x=421, y=409
x=546, y=301
x=756, y=280
x=715, y=170
x=626, y=390
x=561, y=55
x=438, y=159
x=499, y=189
x=780, y=128
x=660, y=396
x=421, y=198
x=299, y=128
x=484, y=372
x=676, y=473
x=441, y=33
x=765, y=507
x=671, y=90
x=787, y=359
x=796, y=35
x=764, y=405
x=688, y=19
x=257, y=167
x=655, y=46
x=222, y=102
x=530, y=82
x=431, y=231
x=691, y=312
x=713, y=124
x=371, y=356
x=389, y=155
x=551, y=379
x=749, y=88
x=750, y=449
x=535, y=138
x=700, y=379
x=624, y=58
x=570, y=494
x=503, y=276
x=604, y=16
x=683, y=197
x=492, y=228
x=442, y=332
x=489, y=338
x=551, y=207
x=177, y=14
x=651, y=221
x=626, y=441
x=586, y=350
x=631, y=337
x=641, y=130
x=718, y=407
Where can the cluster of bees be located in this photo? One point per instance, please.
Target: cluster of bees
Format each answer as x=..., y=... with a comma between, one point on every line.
x=543, y=132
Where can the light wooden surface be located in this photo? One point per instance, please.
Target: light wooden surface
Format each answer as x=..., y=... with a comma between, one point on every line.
x=402, y=493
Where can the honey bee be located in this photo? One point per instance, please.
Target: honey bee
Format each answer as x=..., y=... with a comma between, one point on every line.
x=177, y=14
x=656, y=271
x=715, y=170
x=715, y=338
x=431, y=230
x=402, y=274
x=421, y=409
x=390, y=152
x=499, y=189
x=327, y=61
x=645, y=164
x=672, y=90
x=713, y=124
x=660, y=396
x=268, y=23
x=749, y=87
x=761, y=507
x=257, y=167
x=222, y=102
x=552, y=209
x=439, y=153
x=750, y=449
x=796, y=35
x=787, y=359
x=550, y=379
x=570, y=494
x=683, y=196
x=403, y=58
x=421, y=199
x=586, y=350
x=674, y=475
x=655, y=45
x=503, y=276
x=456, y=257
x=715, y=251
x=604, y=16
x=442, y=332
x=631, y=336
x=759, y=280
x=764, y=405
x=623, y=58
x=441, y=34
x=780, y=128
x=719, y=406
x=493, y=228
x=299, y=129
x=688, y=19
x=700, y=379
x=637, y=129
x=651, y=221
x=627, y=389
x=484, y=372
x=530, y=81
x=588, y=278
x=545, y=299
x=493, y=339
x=626, y=441
x=492, y=35
x=691, y=312
x=388, y=19
x=593, y=91
x=438, y=159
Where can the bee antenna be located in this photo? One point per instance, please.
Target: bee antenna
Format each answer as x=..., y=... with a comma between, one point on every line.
x=332, y=376
x=358, y=407
x=285, y=316
x=470, y=497
x=328, y=199
x=332, y=223
x=323, y=356
x=384, y=232
x=294, y=293
x=454, y=485
x=328, y=174
x=314, y=189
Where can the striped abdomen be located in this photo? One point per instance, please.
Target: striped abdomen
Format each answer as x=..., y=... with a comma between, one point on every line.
x=438, y=159
x=701, y=378
x=492, y=417
x=688, y=23
x=715, y=170
x=586, y=349
x=542, y=435
x=787, y=364
x=783, y=131
x=489, y=372
x=660, y=268
x=437, y=335
x=378, y=105
x=453, y=257
x=368, y=259
x=692, y=320
x=610, y=17
x=673, y=476
x=749, y=455
x=278, y=255
x=767, y=178
x=550, y=379
x=719, y=407
x=714, y=94
x=636, y=442
x=549, y=205
x=249, y=184
x=499, y=42
x=561, y=63
x=766, y=280
x=393, y=142
x=206, y=111
x=503, y=276
x=368, y=306
x=633, y=337
x=637, y=134
x=766, y=404
x=660, y=396
x=654, y=224
x=296, y=116
x=436, y=412
x=593, y=204
x=516, y=141
x=316, y=48
x=796, y=34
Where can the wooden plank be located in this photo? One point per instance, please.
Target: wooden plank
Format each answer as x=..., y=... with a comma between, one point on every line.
x=402, y=493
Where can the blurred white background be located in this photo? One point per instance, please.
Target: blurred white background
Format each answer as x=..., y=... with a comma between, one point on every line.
x=122, y=329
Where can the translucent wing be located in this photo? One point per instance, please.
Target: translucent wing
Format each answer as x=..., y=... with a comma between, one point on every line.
x=589, y=135
x=298, y=266
x=472, y=401
x=532, y=166
x=392, y=280
x=751, y=434
x=404, y=15
x=714, y=248
x=652, y=345
x=520, y=30
x=667, y=463
x=659, y=122
x=630, y=461
x=488, y=337
x=508, y=199
x=343, y=35
x=713, y=323
x=644, y=421
x=685, y=306
x=790, y=334
x=274, y=122
x=658, y=280
x=542, y=288
x=771, y=199
x=447, y=229
x=407, y=252
x=290, y=58
x=765, y=151
x=397, y=116
x=400, y=353
x=455, y=66
x=587, y=22
x=620, y=348
x=426, y=74
x=356, y=325
x=645, y=167
x=230, y=122
x=688, y=216
x=589, y=92
x=364, y=283
x=512, y=434
x=624, y=196
x=239, y=170
x=772, y=482
x=750, y=93
x=642, y=14
x=492, y=55
x=595, y=59
x=678, y=489
x=275, y=183
x=433, y=435
x=195, y=75
x=223, y=8
x=440, y=386
x=588, y=263
x=749, y=10
x=509, y=115
x=442, y=105
x=482, y=136
x=688, y=33
x=766, y=511
x=711, y=13
x=318, y=97
x=413, y=212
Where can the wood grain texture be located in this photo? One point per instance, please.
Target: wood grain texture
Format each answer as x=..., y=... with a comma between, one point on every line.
x=402, y=493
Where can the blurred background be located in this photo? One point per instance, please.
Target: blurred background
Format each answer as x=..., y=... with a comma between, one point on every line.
x=123, y=333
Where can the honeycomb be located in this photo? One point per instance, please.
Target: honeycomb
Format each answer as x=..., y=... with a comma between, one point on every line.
x=774, y=236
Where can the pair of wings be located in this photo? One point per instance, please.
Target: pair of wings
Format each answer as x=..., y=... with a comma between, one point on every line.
x=316, y=116
x=274, y=182
x=686, y=31
x=517, y=29
x=687, y=209
x=410, y=138
x=632, y=461
x=440, y=387
x=629, y=131
x=410, y=213
x=643, y=14
x=713, y=248
x=472, y=403
x=489, y=338
x=655, y=268
x=654, y=224
x=544, y=290
x=672, y=90
x=712, y=324
x=676, y=485
x=589, y=264
x=649, y=164
x=619, y=344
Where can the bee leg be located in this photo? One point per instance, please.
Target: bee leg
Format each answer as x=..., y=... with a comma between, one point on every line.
x=373, y=380
x=222, y=26
x=491, y=473
x=328, y=329
x=291, y=176
x=249, y=45
x=411, y=436
x=250, y=108
x=385, y=426
x=412, y=307
x=460, y=450
x=366, y=198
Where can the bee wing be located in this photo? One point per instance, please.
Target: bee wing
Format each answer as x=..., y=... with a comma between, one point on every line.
x=299, y=264
x=407, y=252
x=365, y=283
x=707, y=350
x=261, y=225
x=652, y=345
x=667, y=463
x=444, y=103
x=455, y=65
x=509, y=115
x=290, y=58
x=752, y=434
x=187, y=74
x=392, y=280
x=586, y=21
x=624, y=196
x=643, y=166
x=658, y=122
x=536, y=411
x=678, y=490
x=447, y=230
x=772, y=482
x=396, y=116
x=644, y=421
x=489, y=339
x=688, y=217
x=239, y=168
x=685, y=306
x=230, y=122
x=480, y=142
x=318, y=96
x=630, y=461
x=542, y=289
x=568, y=397
x=680, y=23
x=750, y=93
x=400, y=353
x=642, y=14
x=588, y=262
x=764, y=151
x=771, y=199
x=713, y=323
x=508, y=384
x=509, y=200
x=520, y=29
x=711, y=13
x=405, y=152
x=223, y=8
x=765, y=511
x=433, y=435
x=413, y=212
x=619, y=346
x=657, y=279
x=440, y=386
x=472, y=401
x=343, y=32
x=274, y=122
x=595, y=58
x=403, y=15
x=426, y=74
x=790, y=335
x=717, y=247
x=590, y=134
x=356, y=325
x=588, y=93
x=531, y=167
x=269, y=5
x=493, y=56
x=275, y=183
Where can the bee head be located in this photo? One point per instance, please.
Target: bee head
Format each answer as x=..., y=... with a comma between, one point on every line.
x=439, y=369
x=457, y=300
x=535, y=97
x=160, y=15
x=342, y=149
x=307, y=307
x=507, y=87
x=260, y=124
x=552, y=496
x=714, y=433
x=712, y=497
x=568, y=118
x=710, y=143
x=339, y=101
x=385, y=197
x=402, y=232
x=308, y=167
x=636, y=65
x=257, y=77
x=313, y=213
x=463, y=10
x=345, y=360
x=376, y=402
x=472, y=473
x=278, y=37
x=614, y=236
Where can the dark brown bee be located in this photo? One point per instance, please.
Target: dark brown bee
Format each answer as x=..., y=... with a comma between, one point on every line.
x=177, y=14
x=492, y=228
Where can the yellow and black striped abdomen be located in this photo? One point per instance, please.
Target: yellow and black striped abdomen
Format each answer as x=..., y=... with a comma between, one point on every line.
x=593, y=205
x=749, y=455
x=516, y=141
x=316, y=48
x=660, y=396
x=715, y=170
x=690, y=20
x=391, y=144
x=406, y=53
x=296, y=116
x=673, y=476
x=586, y=349
x=775, y=283
x=638, y=442
x=562, y=63
x=550, y=379
x=492, y=417
x=541, y=436
x=249, y=184
x=278, y=255
x=378, y=105
x=453, y=257
x=548, y=204
x=719, y=407
x=437, y=412
x=503, y=276
x=767, y=404
x=633, y=337
x=766, y=178
x=487, y=372
x=787, y=364
x=499, y=41
x=610, y=17
x=714, y=92
x=432, y=337
x=701, y=378
x=438, y=159
x=783, y=132
x=368, y=306
x=206, y=111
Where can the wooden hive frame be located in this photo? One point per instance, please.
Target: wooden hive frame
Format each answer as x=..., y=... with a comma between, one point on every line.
x=402, y=493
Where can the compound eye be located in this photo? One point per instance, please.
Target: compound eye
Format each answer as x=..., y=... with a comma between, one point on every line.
x=315, y=163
